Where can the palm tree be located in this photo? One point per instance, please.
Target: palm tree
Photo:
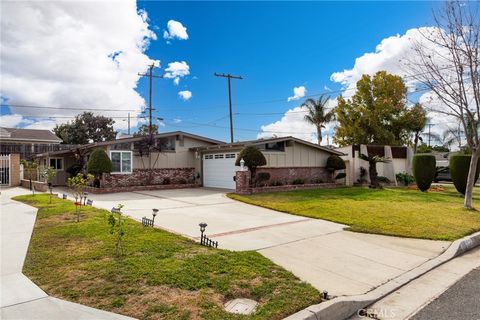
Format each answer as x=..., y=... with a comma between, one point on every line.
x=317, y=114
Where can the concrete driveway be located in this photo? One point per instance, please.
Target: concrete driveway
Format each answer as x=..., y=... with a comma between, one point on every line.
x=317, y=251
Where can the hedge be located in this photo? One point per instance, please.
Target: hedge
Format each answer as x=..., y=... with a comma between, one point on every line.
x=424, y=168
x=99, y=162
x=459, y=167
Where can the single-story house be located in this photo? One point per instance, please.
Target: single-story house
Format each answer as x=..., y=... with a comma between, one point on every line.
x=400, y=161
x=288, y=159
x=195, y=159
x=27, y=142
x=176, y=163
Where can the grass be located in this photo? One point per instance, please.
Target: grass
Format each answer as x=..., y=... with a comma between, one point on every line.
x=161, y=275
x=400, y=212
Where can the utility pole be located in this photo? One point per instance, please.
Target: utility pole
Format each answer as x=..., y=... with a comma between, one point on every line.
x=150, y=109
x=229, y=76
x=128, y=121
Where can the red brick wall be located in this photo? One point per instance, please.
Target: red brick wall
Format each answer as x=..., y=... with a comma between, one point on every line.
x=242, y=181
x=288, y=174
x=139, y=177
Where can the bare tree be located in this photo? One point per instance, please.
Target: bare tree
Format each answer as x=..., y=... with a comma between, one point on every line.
x=447, y=62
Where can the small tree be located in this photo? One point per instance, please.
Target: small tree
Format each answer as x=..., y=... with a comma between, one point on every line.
x=30, y=171
x=253, y=158
x=48, y=174
x=98, y=164
x=424, y=169
x=77, y=185
x=372, y=168
x=335, y=163
x=117, y=222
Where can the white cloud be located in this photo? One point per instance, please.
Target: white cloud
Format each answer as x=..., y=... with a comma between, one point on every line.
x=10, y=120
x=293, y=124
x=298, y=92
x=73, y=54
x=185, y=95
x=175, y=30
x=177, y=70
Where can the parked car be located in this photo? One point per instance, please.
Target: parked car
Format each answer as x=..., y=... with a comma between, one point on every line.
x=442, y=174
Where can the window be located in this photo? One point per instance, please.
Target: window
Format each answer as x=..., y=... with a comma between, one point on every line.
x=166, y=144
x=230, y=156
x=56, y=163
x=273, y=146
x=121, y=161
x=208, y=156
x=219, y=156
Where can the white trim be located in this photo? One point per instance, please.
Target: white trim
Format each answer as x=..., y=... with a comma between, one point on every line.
x=57, y=158
x=121, y=162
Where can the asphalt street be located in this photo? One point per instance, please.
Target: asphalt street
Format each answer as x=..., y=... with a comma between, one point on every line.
x=460, y=301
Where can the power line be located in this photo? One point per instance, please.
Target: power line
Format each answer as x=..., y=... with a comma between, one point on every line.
x=64, y=108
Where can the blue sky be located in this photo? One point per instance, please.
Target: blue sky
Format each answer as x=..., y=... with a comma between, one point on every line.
x=275, y=46
x=90, y=59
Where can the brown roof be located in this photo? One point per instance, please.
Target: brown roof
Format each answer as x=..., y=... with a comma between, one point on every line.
x=34, y=135
x=132, y=139
x=241, y=144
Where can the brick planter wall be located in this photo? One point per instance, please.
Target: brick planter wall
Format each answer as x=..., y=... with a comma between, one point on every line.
x=242, y=179
x=39, y=186
x=310, y=175
x=139, y=177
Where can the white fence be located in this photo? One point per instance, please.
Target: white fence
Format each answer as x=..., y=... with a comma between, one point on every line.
x=5, y=169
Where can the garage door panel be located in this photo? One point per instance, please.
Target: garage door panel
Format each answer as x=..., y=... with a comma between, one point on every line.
x=218, y=171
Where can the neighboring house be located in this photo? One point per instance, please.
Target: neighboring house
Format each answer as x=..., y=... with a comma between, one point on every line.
x=175, y=164
x=288, y=159
x=28, y=142
x=400, y=161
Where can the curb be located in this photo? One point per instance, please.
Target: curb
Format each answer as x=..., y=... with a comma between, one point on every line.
x=343, y=307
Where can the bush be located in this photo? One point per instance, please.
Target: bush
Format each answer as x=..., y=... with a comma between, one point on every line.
x=383, y=179
x=276, y=183
x=298, y=181
x=341, y=175
x=99, y=162
x=424, y=168
x=459, y=167
x=363, y=175
x=334, y=163
x=405, y=178
x=253, y=158
x=166, y=180
x=317, y=180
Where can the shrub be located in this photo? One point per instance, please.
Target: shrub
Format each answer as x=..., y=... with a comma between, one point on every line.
x=405, y=178
x=341, y=175
x=182, y=181
x=166, y=180
x=459, y=167
x=383, y=179
x=317, y=180
x=334, y=163
x=276, y=183
x=253, y=158
x=298, y=181
x=363, y=175
x=99, y=163
x=424, y=168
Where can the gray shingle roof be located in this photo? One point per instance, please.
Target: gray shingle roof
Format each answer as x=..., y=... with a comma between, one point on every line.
x=34, y=135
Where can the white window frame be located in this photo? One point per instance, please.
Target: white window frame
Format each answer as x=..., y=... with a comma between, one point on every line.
x=121, y=161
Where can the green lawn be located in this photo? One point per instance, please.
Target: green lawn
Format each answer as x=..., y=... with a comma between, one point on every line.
x=392, y=211
x=161, y=276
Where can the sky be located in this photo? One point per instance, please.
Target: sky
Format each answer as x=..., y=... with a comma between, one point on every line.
x=62, y=58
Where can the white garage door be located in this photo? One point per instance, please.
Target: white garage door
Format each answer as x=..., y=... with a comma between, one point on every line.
x=219, y=170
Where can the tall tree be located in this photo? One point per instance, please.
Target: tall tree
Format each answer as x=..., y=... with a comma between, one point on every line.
x=317, y=114
x=86, y=128
x=416, y=120
x=376, y=113
x=143, y=130
x=447, y=62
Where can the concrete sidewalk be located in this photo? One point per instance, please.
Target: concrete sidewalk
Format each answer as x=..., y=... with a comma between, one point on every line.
x=413, y=297
x=20, y=298
x=317, y=251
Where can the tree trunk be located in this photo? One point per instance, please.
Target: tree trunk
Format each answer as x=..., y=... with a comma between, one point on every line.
x=372, y=171
x=468, y=204
x=319, y=135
